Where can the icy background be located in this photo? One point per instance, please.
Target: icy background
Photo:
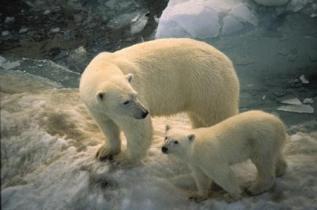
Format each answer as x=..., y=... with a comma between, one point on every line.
x=48, y=140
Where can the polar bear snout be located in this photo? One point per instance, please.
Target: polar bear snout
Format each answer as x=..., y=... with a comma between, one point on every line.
x=141, y=113
x=164, y=149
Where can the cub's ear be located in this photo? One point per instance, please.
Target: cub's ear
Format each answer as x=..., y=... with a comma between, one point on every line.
x=167, y=128
x=100, y=96
x=129, y=77
x=191, y=137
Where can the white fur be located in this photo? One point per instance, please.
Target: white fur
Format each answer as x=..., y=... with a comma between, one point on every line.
x=169, y=76
x=254, y=135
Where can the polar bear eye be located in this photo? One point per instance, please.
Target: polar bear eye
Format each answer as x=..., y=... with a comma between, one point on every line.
x=175, y=142
x=126, y=102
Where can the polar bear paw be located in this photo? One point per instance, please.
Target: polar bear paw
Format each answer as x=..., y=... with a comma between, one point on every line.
x=197, y=197
x=105, y=153
x=231, y=198
x=256, y=189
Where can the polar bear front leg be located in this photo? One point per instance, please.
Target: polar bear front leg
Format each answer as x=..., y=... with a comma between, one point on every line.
x=203, y=183
x=139, y=139
x=224, y=177
x=112, y=146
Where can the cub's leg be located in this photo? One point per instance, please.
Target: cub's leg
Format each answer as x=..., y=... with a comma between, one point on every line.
x=202, y=182
x=185, y=181
x=265, y=166
x=224, y=177
x=280, y=166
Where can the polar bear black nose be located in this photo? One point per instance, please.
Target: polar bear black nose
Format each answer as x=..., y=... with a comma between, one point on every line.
x=144, y=114
x=164, y=149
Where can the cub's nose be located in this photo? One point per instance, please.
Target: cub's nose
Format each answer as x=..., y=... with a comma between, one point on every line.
x=164, y=150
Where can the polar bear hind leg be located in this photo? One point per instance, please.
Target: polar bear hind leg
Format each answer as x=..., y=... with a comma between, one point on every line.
x=265, y=166
x=280, y=166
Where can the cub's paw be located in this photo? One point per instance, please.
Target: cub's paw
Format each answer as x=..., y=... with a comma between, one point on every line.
x=256, y=189
x=231, y=198
x=105, y=153
x=198, y=198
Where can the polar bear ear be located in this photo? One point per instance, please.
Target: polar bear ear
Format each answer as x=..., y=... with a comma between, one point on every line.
x=191, y=137
x=100, y=96
x=129, y=77
x=167, y=128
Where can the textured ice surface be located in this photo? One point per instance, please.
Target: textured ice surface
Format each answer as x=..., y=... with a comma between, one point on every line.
x=44, y=68
x=302, y=108
x=205, y=19
x=271, y=2
x=48, y=143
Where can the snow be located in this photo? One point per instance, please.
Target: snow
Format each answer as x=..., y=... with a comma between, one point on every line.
x=206, y=19
x=292, y=101
x=48, y=143
x=271, y=2
x=138, y=23
x=295, y=105
x=302, y=108
x=303, y=79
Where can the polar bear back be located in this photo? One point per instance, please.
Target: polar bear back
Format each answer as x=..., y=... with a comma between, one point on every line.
x=240, y=137
x=182, y=74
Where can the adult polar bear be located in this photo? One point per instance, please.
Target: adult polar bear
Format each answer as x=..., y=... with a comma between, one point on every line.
x=160, y=77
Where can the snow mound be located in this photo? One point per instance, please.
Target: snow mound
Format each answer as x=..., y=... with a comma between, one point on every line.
x=206, y=19
x=48, y=143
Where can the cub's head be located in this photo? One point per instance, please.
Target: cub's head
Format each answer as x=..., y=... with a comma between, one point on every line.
x=177, y=142
x=117, y=98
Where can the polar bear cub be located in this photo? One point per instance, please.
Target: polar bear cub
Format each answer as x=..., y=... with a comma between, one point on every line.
x=210, y=151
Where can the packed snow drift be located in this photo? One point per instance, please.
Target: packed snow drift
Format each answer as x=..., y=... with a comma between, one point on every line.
x=48, y=143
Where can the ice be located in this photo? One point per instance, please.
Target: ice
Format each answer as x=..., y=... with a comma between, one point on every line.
x=5, y=33
x=178, y=20
x=303, y=108
x=43, y=68
x=55, y=30
x=204, y=19
x=48, y=143
x=138, y=23
x=23, y=30
x=308, y=101
x=7, y=65
x=303, y=79
x=120, y=21
x=297, y=5
x=9, y=19
x=293, y=101
x=272, y=2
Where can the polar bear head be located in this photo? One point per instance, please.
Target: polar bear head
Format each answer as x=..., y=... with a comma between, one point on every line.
x=177, y=142
x=117, y=98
